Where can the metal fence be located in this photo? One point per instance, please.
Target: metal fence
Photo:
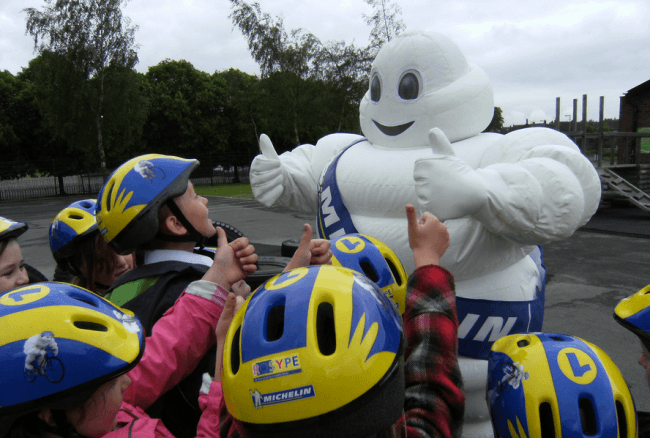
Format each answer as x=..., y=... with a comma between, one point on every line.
x=49, y=186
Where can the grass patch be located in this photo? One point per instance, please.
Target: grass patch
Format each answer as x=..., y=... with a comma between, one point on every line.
x=227, y=190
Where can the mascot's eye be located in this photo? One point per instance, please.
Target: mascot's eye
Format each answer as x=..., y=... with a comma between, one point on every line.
x=375, y=89
x=409, y=87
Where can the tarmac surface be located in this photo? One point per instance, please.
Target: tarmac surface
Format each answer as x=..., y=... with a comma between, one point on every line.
x=588, y=274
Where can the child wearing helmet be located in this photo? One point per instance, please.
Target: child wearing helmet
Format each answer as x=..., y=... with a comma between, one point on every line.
x=97, y=378
x=14, y=271
x=633, y=313
x=547, y=384
x=81, y=252
x=375, y=260
x=149, y=205
x=332, y=357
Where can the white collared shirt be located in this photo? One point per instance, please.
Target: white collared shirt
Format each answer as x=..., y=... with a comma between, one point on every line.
x=166, y=255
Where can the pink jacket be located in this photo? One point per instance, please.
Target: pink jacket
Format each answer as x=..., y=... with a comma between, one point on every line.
x=178, y=342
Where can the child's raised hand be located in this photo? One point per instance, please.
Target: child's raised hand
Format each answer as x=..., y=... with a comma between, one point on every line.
x=310, y=252
x=428, y=237
x=241, y=289
x=233, y=303
x=232, y=261
x=245, y=252
x=320, y=251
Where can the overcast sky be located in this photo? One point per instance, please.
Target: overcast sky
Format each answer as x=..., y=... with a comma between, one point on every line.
x=532, y=51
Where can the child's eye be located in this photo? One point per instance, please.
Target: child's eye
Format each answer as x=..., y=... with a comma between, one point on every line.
x=7, y=273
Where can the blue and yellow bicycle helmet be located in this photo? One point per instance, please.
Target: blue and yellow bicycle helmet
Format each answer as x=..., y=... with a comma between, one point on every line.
x=129, y=202
x=633, y=313
x=88, y=340
x=10, y=229
x=315, y=351
x=375, y=260
x=70, y=225
x=553, y=385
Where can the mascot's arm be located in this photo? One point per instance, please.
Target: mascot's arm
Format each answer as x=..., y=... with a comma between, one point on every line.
x=287, y=177
x=291, y=179
x=540, y=187
x=533, y=186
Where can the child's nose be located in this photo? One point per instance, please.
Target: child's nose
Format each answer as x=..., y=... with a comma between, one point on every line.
x=23, y=278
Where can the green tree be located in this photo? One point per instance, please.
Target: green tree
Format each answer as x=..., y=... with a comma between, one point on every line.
x=286, y=58
x=85, y=37
x=496, y=125
x=242, y=110
x=385, y=23
x=295, y=67
x=186, y=111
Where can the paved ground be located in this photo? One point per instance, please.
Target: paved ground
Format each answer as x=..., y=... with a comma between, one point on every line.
x=589, y=273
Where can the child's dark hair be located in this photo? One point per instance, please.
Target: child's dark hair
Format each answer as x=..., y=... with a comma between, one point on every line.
x=4, y=244
x=32, y=426
x=92, y=256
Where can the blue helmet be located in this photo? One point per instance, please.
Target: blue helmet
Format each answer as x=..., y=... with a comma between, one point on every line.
x=87, y=339
x=546, y=384
x=70, y=225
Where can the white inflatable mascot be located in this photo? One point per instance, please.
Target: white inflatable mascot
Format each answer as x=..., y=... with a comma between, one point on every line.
x=501, y=196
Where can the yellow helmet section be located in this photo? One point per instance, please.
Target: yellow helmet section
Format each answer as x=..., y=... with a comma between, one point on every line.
x=11, y=229
x=306, y=343
x=29, y=315
x=633, y=304
x=374, y=259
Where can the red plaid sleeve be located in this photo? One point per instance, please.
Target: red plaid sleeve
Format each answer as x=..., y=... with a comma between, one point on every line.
x=435, y=402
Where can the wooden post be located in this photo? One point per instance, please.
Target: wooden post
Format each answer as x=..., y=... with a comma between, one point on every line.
x=583, y=146
x=600, y=132
x=557, y=113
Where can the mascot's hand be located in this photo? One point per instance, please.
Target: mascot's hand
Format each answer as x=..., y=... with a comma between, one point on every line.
x=446, y=185
x=266, y=175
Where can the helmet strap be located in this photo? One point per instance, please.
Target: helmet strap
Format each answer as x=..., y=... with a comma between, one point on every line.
x=192, y=236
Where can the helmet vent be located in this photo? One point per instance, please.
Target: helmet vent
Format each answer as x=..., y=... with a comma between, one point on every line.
x=523, y=343
x=557, y=338
x=75, y=216
x=109, y=194
x=234, y=352
x=84, y=298
x=395, y=271
x=86, y=204
x=622, y=419
x=588, y=417
x=275, y=323
x=325, y=329
x=89, y=325
x=368, y=271
x=546, y=420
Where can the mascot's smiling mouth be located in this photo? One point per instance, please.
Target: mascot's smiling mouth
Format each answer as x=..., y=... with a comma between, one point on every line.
x=393, y=130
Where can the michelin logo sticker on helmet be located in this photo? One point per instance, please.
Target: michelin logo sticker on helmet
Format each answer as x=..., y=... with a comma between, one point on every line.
x=285, y=396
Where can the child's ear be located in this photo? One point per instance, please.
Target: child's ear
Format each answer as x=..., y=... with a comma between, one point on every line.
x=46, y=415
x=173, y=226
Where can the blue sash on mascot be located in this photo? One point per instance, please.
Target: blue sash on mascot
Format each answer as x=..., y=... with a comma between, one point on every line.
x=333, y=217
x=481, y=321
